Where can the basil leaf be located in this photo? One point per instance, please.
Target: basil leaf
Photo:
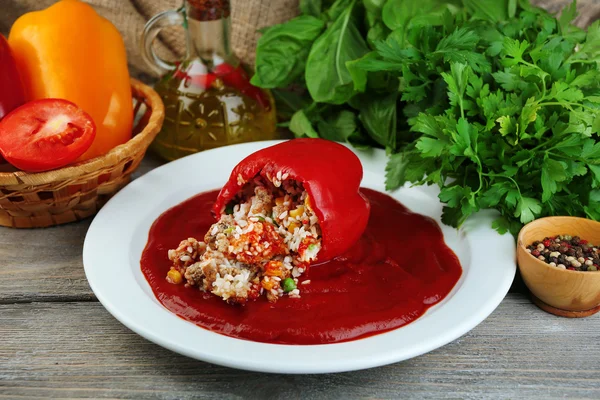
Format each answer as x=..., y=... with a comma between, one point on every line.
x=373, y=11
x=338, y=8
x=489, y=10
x=374, y=6
x=327, y=77
x=378, y=116
x=338, y=127
x=288, y=102
x=282, y=51
x=310, y=7
x=399, y=15
x=377, y=33
x=301, y=126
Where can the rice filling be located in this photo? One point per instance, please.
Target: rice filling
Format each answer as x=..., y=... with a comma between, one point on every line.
x=264, y=240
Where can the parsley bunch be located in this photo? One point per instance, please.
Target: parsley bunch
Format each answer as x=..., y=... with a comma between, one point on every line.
x=497, y=102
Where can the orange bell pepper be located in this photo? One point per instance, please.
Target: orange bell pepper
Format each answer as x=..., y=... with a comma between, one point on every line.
x=68, y=51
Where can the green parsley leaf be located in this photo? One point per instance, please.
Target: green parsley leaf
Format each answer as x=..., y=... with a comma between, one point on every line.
x=528, y=115
x=527, y=209
x=569, y=13
x=513, y=50
x=395, y=171
x=508, y=80
x=508, y=125
x=512, y=197
x=430, y=147
x=561, y=91
x=494, y=195
x=501, y=224
x=552, y=172
x=457, y=83
x=591, y=150
x=452, y=195
x=595, y=169
x=575, y=168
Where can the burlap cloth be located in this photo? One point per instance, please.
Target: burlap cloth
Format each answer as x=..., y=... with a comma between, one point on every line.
x=247, y=16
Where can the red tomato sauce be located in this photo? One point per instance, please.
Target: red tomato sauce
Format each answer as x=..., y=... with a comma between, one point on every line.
x=397, y=270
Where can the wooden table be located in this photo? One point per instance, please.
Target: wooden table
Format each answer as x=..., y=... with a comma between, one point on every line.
x=56, y=340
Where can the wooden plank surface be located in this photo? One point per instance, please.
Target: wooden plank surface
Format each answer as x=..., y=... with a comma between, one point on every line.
x=58, y=341
x=79, y=350
x=45, y=264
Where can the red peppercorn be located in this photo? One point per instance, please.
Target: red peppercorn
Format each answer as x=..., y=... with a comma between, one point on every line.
x=535, y=253
x=571, y=268
x=583, y=241
x=547, y=243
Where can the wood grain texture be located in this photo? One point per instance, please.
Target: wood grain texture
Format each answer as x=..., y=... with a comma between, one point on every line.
x=45, y=264
x=71, y=350
x=58, y=342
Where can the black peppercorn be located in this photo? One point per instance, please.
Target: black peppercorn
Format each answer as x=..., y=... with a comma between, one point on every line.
x=555, y=251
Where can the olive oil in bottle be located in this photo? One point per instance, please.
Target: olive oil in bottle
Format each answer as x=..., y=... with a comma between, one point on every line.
x=209, y=101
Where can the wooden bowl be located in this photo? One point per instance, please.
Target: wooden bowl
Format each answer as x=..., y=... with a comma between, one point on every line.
x=560, y=291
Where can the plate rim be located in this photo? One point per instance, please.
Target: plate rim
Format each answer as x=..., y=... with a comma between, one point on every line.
x=476, y=229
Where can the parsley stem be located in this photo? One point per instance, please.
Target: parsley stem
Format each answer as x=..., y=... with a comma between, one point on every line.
x=565, y=104
x=543, y=76
x=565, y=157
x=506, y=177
x=543, y=86
x=581, y=62
x=553, y=140
x=530, y=64
x=480, y=173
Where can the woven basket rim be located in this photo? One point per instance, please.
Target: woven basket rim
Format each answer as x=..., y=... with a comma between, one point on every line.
x=114, y=156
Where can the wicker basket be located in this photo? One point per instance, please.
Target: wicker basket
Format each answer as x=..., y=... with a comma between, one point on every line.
x=78, y=191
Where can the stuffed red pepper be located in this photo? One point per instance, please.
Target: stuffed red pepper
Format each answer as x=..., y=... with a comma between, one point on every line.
x=284, y=208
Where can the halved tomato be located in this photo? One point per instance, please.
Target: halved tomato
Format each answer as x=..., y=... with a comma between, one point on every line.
x=45, y=134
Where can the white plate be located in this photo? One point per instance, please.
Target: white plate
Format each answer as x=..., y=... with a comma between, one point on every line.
x=118, y=234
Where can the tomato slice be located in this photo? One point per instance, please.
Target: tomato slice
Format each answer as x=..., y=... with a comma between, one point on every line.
x=45, y=134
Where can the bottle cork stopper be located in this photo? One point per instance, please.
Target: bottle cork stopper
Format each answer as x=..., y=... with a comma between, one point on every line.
x=208, y=10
